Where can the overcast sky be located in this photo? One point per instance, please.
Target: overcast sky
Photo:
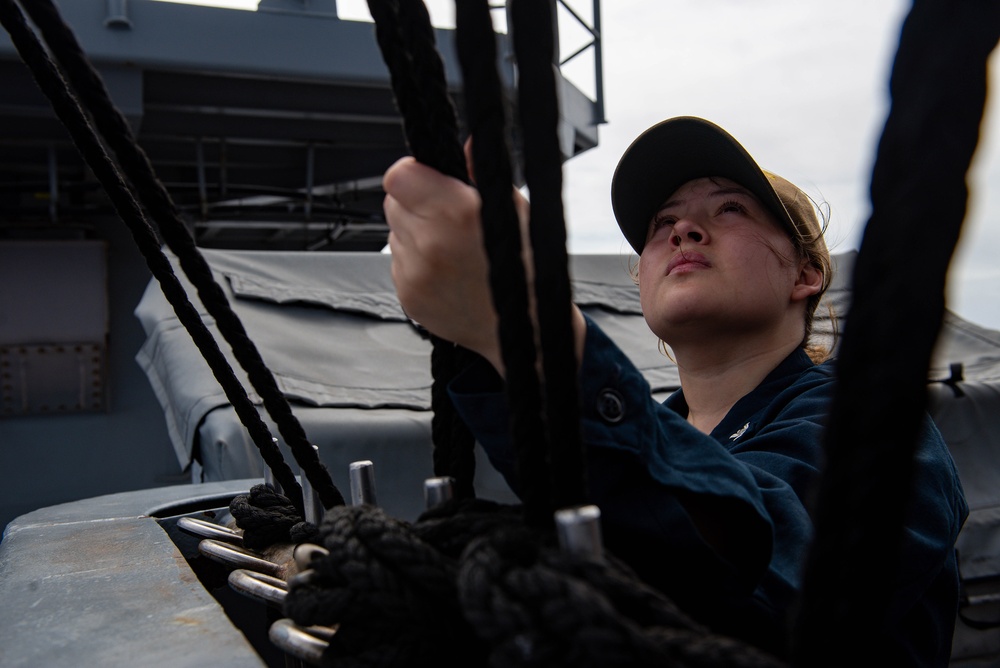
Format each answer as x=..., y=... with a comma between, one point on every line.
x=801, y=83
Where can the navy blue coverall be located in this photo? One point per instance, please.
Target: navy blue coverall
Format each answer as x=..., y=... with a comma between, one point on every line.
x=647, y=466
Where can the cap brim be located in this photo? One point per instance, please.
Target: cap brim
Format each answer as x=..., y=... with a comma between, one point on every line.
x=668, y=155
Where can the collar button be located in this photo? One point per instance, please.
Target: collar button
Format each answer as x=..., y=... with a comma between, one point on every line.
x=611, y=405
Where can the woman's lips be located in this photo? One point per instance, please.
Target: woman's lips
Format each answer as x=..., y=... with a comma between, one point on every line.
x=686, y=261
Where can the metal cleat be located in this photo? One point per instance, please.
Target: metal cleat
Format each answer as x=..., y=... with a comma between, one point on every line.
x=239, y=557
x=306, y=643
x=260, y=587
x=302, y=578
x=206, y=529
x=304, y=553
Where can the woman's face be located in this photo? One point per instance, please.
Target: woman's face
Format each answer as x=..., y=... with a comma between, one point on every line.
x=716, y=262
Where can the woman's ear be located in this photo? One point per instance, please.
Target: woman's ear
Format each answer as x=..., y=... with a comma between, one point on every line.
x=808, y=282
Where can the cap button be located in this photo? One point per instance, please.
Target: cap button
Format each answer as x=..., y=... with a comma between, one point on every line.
x=611, y=405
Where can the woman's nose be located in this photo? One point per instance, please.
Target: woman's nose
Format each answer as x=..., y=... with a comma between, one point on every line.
x=687, y=230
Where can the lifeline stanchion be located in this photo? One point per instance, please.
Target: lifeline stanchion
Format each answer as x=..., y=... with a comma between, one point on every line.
x=579, y=530
x=269, y=478
x=362, y=475
x=310, y=498
x=438, y=491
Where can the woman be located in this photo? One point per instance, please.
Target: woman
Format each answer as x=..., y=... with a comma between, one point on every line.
x=706, y=495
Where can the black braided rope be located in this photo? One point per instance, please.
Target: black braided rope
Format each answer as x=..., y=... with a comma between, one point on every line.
x=391, y=595
x=116, y=132
x=72, y=116
x=406, y=40
x=919, y=194
x=441, y=147
x=469, y=584
x=538, y=606
x=451, y=526
x=533, y=32
x=475, y=42
x=268, y=518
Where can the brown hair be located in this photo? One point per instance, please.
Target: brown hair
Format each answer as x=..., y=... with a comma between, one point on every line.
x=810, y=245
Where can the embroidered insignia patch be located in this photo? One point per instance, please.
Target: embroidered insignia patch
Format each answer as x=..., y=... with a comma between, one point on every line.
x=739, y=432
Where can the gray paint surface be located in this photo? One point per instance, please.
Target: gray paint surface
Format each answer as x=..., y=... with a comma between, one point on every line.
x=100, y=583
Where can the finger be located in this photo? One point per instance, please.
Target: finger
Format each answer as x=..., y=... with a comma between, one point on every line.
x=397, y=218
x=421, y=189
x=398, y=265
x=401, y=266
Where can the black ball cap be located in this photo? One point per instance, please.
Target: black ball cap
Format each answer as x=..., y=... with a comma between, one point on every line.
x=673, y=152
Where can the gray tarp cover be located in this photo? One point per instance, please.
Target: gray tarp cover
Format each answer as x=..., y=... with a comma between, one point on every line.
x=357, y=373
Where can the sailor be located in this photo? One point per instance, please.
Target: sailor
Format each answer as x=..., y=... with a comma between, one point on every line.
x=707, y=494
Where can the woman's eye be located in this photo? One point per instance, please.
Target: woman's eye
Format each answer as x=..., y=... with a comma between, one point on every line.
x=732, y=206
x=661, y=222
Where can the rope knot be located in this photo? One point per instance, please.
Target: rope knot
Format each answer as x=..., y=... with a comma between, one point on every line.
x=267, y=518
